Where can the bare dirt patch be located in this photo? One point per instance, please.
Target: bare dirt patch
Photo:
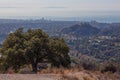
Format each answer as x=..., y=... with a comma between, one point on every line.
x=28, y=77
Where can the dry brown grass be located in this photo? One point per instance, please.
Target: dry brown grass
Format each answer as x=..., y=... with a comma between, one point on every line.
x=112, y=76
x=88, y=78
x=59, y=70
x=64, y=77
x=80, y=74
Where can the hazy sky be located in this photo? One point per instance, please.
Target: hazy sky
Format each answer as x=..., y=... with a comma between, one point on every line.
x=59, y=8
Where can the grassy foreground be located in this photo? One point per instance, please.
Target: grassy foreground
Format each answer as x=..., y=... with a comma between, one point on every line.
x=63, y=74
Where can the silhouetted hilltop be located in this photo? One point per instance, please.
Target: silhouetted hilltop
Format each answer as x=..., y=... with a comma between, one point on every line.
x=83, y=29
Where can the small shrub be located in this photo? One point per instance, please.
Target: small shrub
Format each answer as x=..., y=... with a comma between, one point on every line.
x=109, y=68
x=89, y=66
x=10, y=71
x=64, y=77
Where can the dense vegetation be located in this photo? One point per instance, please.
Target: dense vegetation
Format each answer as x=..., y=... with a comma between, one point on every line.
x=33, y=47
x=103, y=45
x=91, y=43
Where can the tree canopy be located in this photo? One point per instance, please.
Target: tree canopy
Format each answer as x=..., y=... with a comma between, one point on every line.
x=33, y=47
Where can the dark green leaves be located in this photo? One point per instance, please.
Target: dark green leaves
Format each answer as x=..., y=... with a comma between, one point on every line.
x=33, y=47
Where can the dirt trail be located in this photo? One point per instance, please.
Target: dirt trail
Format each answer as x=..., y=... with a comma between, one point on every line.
x=28, y=77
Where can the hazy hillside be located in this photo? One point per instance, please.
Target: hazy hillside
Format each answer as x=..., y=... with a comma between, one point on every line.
x=96, y=40
x=103, y=44
x=51, y=27
x=113, y=30
x=81, y=30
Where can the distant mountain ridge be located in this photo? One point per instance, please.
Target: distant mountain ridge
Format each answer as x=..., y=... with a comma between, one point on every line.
x=93, y=39
x=83, y=29
x=92, y=29
x=88, y=39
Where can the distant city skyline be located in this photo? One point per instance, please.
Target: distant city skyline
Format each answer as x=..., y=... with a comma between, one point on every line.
x=59, y=8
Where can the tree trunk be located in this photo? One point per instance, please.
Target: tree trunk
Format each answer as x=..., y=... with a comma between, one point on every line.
x=34, y=67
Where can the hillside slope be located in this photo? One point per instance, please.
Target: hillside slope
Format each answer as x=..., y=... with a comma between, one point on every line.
x=83, y=29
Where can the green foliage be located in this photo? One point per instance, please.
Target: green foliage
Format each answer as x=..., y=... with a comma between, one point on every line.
x=57, y=48
x=33, y=47
x=13, y=50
